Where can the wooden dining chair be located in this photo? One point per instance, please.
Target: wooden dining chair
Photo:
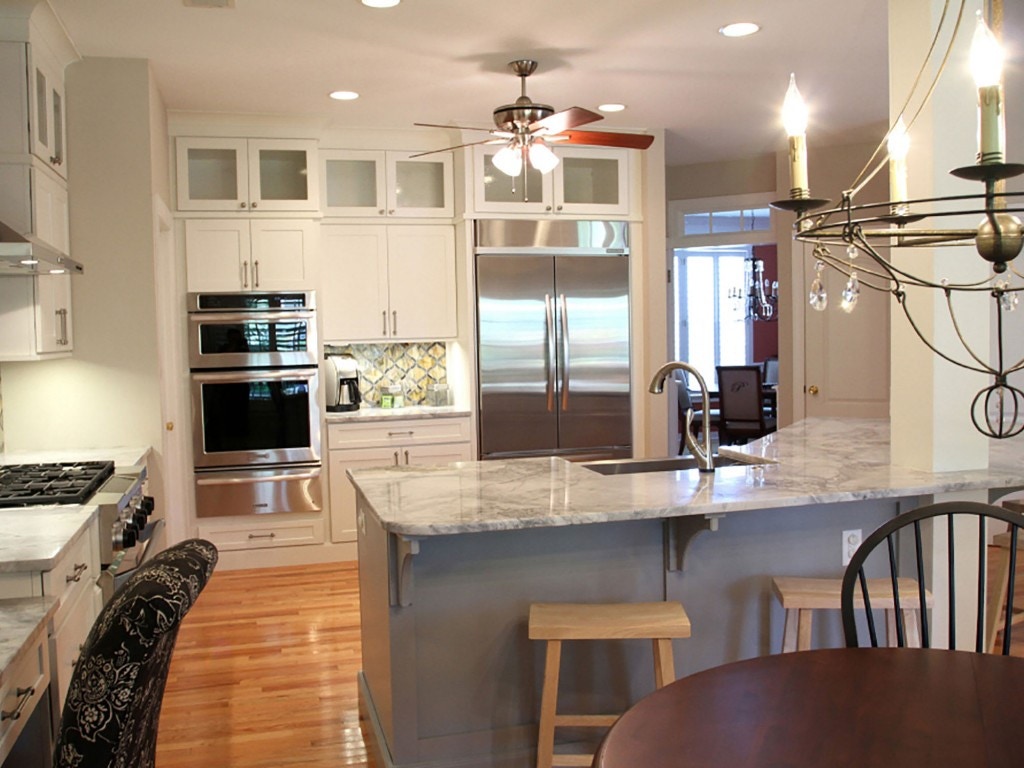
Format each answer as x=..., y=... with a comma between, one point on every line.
x=957, y=564
x=742, y=415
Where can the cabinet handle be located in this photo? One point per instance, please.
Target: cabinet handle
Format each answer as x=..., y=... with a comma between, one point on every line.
x=396, y=458
x=242, y=204
x=384, y=322
x=80, y=568
x=256, y=274
x=24, y=696
x=407, y=456
x=405, y=433
x=253, y=205
x=62, y=315
x=394, y=322
x=261, y=535
x=56, y=160
x=245, y=274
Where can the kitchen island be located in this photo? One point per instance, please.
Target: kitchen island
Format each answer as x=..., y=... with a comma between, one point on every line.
x=451, y=558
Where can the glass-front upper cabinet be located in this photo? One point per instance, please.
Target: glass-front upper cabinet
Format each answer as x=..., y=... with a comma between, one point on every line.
x=47, y=121
x=586, y=181
x=385, y=183
x=247, y=175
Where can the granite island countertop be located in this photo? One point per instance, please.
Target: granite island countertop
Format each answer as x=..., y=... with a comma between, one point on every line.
x=22, y=620
x=812, y=462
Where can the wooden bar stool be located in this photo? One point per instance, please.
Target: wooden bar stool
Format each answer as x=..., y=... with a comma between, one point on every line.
x=801, y=596
x=555, y=622
x=999, y=578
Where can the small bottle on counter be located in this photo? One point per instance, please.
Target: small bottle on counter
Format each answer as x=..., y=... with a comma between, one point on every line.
x=397, y=396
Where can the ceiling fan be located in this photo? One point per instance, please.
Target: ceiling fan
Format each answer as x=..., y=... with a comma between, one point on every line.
x=526, y=128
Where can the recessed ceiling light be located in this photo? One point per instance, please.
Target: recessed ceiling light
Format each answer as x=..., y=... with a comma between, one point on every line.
x=381, y=3
x=611, y=107
x=344, y=95
x=739, y=29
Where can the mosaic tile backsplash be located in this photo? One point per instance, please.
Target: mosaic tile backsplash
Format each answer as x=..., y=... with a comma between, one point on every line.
x=415, y=366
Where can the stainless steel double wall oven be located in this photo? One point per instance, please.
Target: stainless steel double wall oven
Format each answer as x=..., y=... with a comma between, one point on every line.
x=255, y=395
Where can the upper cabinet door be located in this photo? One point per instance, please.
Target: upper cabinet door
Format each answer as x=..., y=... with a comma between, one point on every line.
x=283, y=175
x=247, y=175
x=47, y=109
x=590, y=180
x=353, y=182
x=496, y=192
x=212, y=174
x=420, y=187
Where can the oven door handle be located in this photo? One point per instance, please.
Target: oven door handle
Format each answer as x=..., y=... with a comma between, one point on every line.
x=254, y=374
x=223, y=478
x=220, y=318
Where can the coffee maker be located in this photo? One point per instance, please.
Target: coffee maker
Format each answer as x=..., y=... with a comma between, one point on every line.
x=342, y=383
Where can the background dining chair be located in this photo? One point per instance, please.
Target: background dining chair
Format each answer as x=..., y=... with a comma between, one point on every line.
x=771, y=371
x=742, y=414
x=957, y=562
x=685, y=399
x=112, y=710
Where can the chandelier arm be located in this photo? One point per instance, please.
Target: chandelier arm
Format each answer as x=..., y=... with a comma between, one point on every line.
x=963, y=341
x=901, y=299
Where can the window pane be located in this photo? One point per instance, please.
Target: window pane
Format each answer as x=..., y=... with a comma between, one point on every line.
x=697, y=224
x=758, y=219
x=700, y=303
x=726, y=221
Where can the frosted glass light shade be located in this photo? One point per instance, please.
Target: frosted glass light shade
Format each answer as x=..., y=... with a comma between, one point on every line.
x=542, y=158
x=509, y=161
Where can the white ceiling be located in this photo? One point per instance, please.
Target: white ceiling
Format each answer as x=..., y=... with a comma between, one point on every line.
x=444, y=61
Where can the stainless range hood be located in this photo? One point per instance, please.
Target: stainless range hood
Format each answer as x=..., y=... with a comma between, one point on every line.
x=26, y=255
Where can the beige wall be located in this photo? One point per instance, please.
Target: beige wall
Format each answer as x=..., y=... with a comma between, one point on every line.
x=108, y=393
x=731, y=177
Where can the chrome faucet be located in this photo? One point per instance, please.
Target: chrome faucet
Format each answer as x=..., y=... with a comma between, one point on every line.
x=702, y=452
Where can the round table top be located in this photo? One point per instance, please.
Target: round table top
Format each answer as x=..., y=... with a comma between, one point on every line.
x=860, y=707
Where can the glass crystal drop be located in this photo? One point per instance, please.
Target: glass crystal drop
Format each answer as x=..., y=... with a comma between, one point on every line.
x=850, y=293
x=851, y=252
x=1008, y=301
x=818, y=296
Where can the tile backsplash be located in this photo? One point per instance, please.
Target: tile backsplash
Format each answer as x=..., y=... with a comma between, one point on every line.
x=415, y=366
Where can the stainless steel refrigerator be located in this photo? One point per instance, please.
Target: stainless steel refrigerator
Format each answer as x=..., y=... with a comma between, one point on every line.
x=553, y=338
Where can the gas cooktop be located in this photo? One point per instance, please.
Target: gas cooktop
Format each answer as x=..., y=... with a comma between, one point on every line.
x=23, y=485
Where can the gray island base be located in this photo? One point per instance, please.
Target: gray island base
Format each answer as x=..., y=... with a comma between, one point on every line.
x=452, y=557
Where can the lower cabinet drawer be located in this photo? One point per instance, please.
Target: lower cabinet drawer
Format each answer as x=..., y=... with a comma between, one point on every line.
x=23, y=686
x=406, y=432
x=74, y=574
x=279, y=533
x=69, y=638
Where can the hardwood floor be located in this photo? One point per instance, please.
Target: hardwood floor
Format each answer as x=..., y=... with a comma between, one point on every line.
x=264, y=672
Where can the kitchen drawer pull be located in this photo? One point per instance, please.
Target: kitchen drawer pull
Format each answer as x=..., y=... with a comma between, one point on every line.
x=245, y=274
x=405, y=433
x=25, y=695
x=256, y=273
x=394, y=322
x=407, y=457
x=262, y=535
x=396, y=458
x=384, y=322
x=80, y=568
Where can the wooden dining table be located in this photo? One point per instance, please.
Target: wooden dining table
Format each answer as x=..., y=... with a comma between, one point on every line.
x=850, y=707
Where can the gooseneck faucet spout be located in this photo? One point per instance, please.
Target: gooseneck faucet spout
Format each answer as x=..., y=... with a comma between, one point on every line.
x=702, y=451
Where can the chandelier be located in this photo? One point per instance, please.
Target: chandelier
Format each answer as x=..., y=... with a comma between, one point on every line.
x=841, y=236
x=760, y=295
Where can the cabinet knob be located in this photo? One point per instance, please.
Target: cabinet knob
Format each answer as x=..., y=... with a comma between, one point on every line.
x=391, y=212
x=56, y=160
x=547, y=207
x=242, y=204
x=380, y=212
x=558, y=208
x=253, y=205
x=812, y=390
x=169, y=426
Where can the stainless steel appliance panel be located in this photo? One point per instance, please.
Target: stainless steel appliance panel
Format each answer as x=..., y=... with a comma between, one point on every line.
x=517, y=348
x=246, y=417
x=258, y=491
x=593, y=351
x=251, y=339
x=556, y=236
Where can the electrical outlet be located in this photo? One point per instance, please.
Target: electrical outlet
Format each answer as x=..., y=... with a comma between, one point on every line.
x=851, y=541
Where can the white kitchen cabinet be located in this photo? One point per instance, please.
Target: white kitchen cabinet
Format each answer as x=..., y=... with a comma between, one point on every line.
x=388, y=282
x=254, y=532
x=376, y=183
x=400, y=442
x=247, y=175
x=34, y=200
x=47, y=112
x=250, y=254
x=588, y=181
x=37, y=317
x=72, y=582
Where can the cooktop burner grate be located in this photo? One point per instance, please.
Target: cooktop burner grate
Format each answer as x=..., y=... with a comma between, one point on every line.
x=23, y=485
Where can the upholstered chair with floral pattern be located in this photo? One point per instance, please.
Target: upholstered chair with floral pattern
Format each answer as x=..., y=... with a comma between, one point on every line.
x=112, y=708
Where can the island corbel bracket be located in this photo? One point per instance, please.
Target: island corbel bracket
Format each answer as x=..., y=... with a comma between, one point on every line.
x=400, y=581
x=679, y=532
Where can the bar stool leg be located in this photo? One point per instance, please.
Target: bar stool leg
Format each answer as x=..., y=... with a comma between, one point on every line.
x=803, y=630
x=664, y=665
x=548, y=703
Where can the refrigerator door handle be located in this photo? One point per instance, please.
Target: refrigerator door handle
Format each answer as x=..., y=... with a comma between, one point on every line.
x=550, y=357
x=563, y=314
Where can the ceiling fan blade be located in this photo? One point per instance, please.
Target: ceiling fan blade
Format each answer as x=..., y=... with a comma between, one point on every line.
x=603, y=139
x=454, y=127
x=460, y=146
x=564, y=120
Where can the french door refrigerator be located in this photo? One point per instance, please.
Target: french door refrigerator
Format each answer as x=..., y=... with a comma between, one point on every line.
x=553, y=338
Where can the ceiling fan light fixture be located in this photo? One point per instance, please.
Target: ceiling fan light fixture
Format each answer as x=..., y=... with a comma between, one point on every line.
x=541, y=157
x=508, y=160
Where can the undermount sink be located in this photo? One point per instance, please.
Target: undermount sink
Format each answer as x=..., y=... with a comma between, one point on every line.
x=635, y=466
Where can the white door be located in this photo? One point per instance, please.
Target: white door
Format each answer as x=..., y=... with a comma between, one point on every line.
x=354, y=283
x=421, y=280
x=846, y=356
x=217, y=254
x=343, y=494
x=283, y=254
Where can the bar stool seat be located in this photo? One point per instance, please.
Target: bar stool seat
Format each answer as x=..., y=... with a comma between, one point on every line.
x=801, y=596
x=555, y=622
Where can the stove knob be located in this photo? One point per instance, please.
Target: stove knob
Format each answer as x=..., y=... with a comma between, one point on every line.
x=139, y=520
x=126, y=538
x=147, y=504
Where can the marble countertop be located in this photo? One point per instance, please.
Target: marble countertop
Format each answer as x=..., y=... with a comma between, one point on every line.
x=22, y=620
x=121, y=455
x=394, y=414
x=814, y=461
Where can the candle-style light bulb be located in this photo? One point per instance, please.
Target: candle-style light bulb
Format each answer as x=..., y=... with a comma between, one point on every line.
x=987, y=68
x=899, y=146
x=794, y=120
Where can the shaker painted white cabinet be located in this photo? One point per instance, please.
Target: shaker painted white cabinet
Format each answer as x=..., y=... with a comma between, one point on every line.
x=388, y=282
x=36, y=317
x=250, y=254
x=378, y=183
